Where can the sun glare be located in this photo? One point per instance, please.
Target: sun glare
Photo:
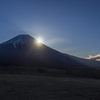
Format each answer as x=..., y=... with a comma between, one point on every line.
x=39, y=41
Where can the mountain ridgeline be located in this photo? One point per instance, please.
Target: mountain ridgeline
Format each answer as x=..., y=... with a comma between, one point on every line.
x=22, y=50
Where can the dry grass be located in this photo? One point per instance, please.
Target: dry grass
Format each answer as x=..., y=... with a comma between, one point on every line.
x=28, y=87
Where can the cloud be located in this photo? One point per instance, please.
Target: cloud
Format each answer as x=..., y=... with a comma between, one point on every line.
x=96, y=57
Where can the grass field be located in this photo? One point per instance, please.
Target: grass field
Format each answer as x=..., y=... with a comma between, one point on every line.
x=29, y=87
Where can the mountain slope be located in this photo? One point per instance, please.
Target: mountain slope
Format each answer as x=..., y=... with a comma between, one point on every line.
x=87, y=62
x=22, y=50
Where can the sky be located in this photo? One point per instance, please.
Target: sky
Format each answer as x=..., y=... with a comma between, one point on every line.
x=69, y=26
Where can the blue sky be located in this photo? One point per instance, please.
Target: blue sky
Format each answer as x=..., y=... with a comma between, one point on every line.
x=69, y=26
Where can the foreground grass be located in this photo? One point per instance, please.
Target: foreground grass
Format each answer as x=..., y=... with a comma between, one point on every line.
x=29, y=87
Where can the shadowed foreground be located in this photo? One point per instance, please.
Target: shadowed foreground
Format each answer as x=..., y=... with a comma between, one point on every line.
x=28, y=87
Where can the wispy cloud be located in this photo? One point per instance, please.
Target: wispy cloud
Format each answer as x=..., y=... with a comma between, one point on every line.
x=96, y=57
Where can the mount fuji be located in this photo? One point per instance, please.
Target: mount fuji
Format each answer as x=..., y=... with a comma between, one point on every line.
x=22, y=50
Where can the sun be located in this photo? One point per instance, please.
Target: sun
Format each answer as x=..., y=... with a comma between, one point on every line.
x=39, y=41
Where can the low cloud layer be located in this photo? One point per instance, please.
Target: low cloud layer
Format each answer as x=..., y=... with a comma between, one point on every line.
x=96, y=57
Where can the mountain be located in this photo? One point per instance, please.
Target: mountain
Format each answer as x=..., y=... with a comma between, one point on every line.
x=88, y=62
x=20, y=39
x=22, y=50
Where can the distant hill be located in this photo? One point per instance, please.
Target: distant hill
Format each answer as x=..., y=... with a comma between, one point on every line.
x=88, y=62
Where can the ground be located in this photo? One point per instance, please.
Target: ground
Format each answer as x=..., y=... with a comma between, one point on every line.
x=29, y=87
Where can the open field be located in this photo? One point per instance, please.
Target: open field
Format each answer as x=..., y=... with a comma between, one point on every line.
x=29, y=87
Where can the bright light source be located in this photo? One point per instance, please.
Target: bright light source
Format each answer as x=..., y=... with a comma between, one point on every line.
x=39, y=41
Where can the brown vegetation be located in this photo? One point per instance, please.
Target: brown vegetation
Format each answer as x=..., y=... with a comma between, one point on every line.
x=29, y=87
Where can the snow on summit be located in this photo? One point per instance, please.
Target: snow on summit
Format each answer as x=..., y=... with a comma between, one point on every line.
x=20, y=39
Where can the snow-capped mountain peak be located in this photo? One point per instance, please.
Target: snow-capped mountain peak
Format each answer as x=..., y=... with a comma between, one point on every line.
x=20, y=39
